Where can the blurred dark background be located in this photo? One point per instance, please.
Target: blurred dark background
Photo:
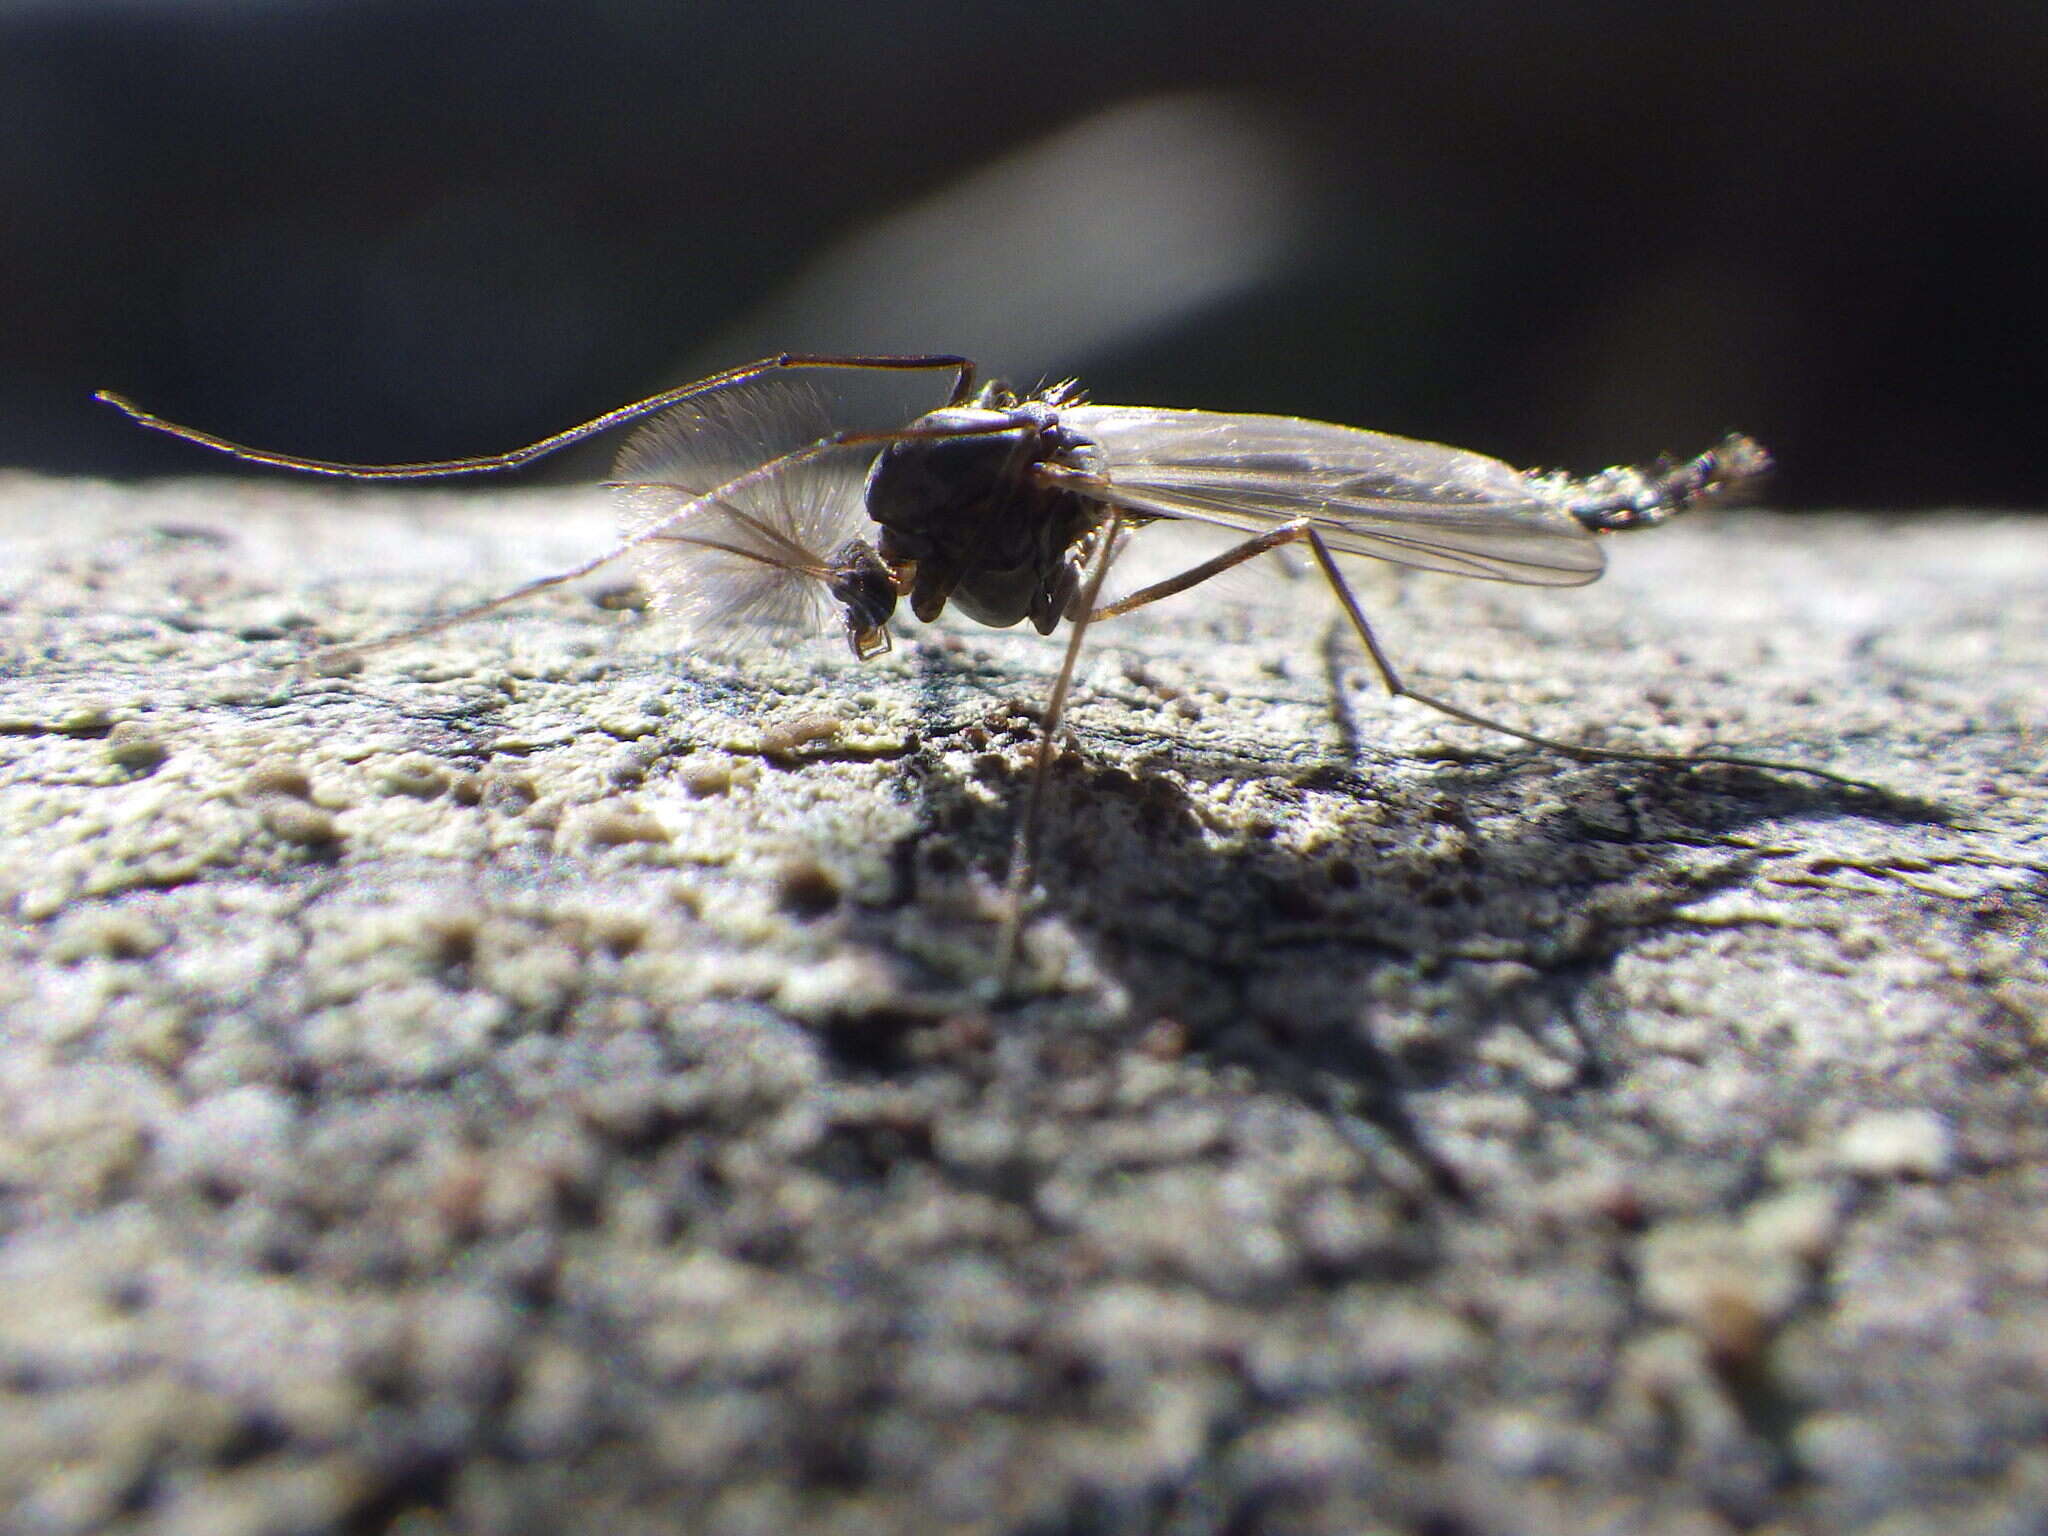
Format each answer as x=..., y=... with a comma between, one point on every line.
x=1562, y=234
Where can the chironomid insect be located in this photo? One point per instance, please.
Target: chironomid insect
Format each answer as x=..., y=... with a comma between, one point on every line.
x=753, y=505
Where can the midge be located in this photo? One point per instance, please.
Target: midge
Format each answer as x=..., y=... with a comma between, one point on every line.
x=753, y=505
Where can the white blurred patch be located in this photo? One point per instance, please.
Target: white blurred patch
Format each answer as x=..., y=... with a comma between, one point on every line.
x=1116, y=227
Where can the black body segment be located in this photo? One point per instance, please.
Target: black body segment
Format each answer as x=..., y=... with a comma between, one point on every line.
x=974, y=520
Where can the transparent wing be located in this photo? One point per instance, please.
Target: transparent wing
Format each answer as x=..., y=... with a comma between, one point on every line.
x=1368, y=493
x=753, y=558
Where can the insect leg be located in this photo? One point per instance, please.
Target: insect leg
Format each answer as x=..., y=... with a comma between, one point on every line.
x=1195, y=575
x=1389, y=675
x=962, y=368
x=329, y=658
x=1024, y=843
x=1400, y=689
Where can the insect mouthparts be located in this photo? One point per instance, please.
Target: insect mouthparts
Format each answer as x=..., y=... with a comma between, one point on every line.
x=866, y=589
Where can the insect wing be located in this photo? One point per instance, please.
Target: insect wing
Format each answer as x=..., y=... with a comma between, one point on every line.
x=735, y=510
x=1367, y=493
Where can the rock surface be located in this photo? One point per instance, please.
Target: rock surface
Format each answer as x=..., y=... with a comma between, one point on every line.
x=541, y=1082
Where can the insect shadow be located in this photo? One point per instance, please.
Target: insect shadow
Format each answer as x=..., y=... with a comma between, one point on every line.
x=1427, y=861
x=1442, y=902
x=758, y=502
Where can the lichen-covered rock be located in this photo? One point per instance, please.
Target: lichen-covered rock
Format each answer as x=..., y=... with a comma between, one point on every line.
x=544, y=1081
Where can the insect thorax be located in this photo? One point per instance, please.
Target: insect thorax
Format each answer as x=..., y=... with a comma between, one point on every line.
x=974, y=520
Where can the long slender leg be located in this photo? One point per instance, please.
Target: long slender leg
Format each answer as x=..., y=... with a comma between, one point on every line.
x=1195, y=575
x=1024, y=843
x=1400, y=689
x=962, y=369
x=332, y=657
x=335, y=658
x=1304, y=532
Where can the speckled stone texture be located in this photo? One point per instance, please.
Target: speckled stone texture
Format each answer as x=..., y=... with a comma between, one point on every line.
x=545, y=1083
